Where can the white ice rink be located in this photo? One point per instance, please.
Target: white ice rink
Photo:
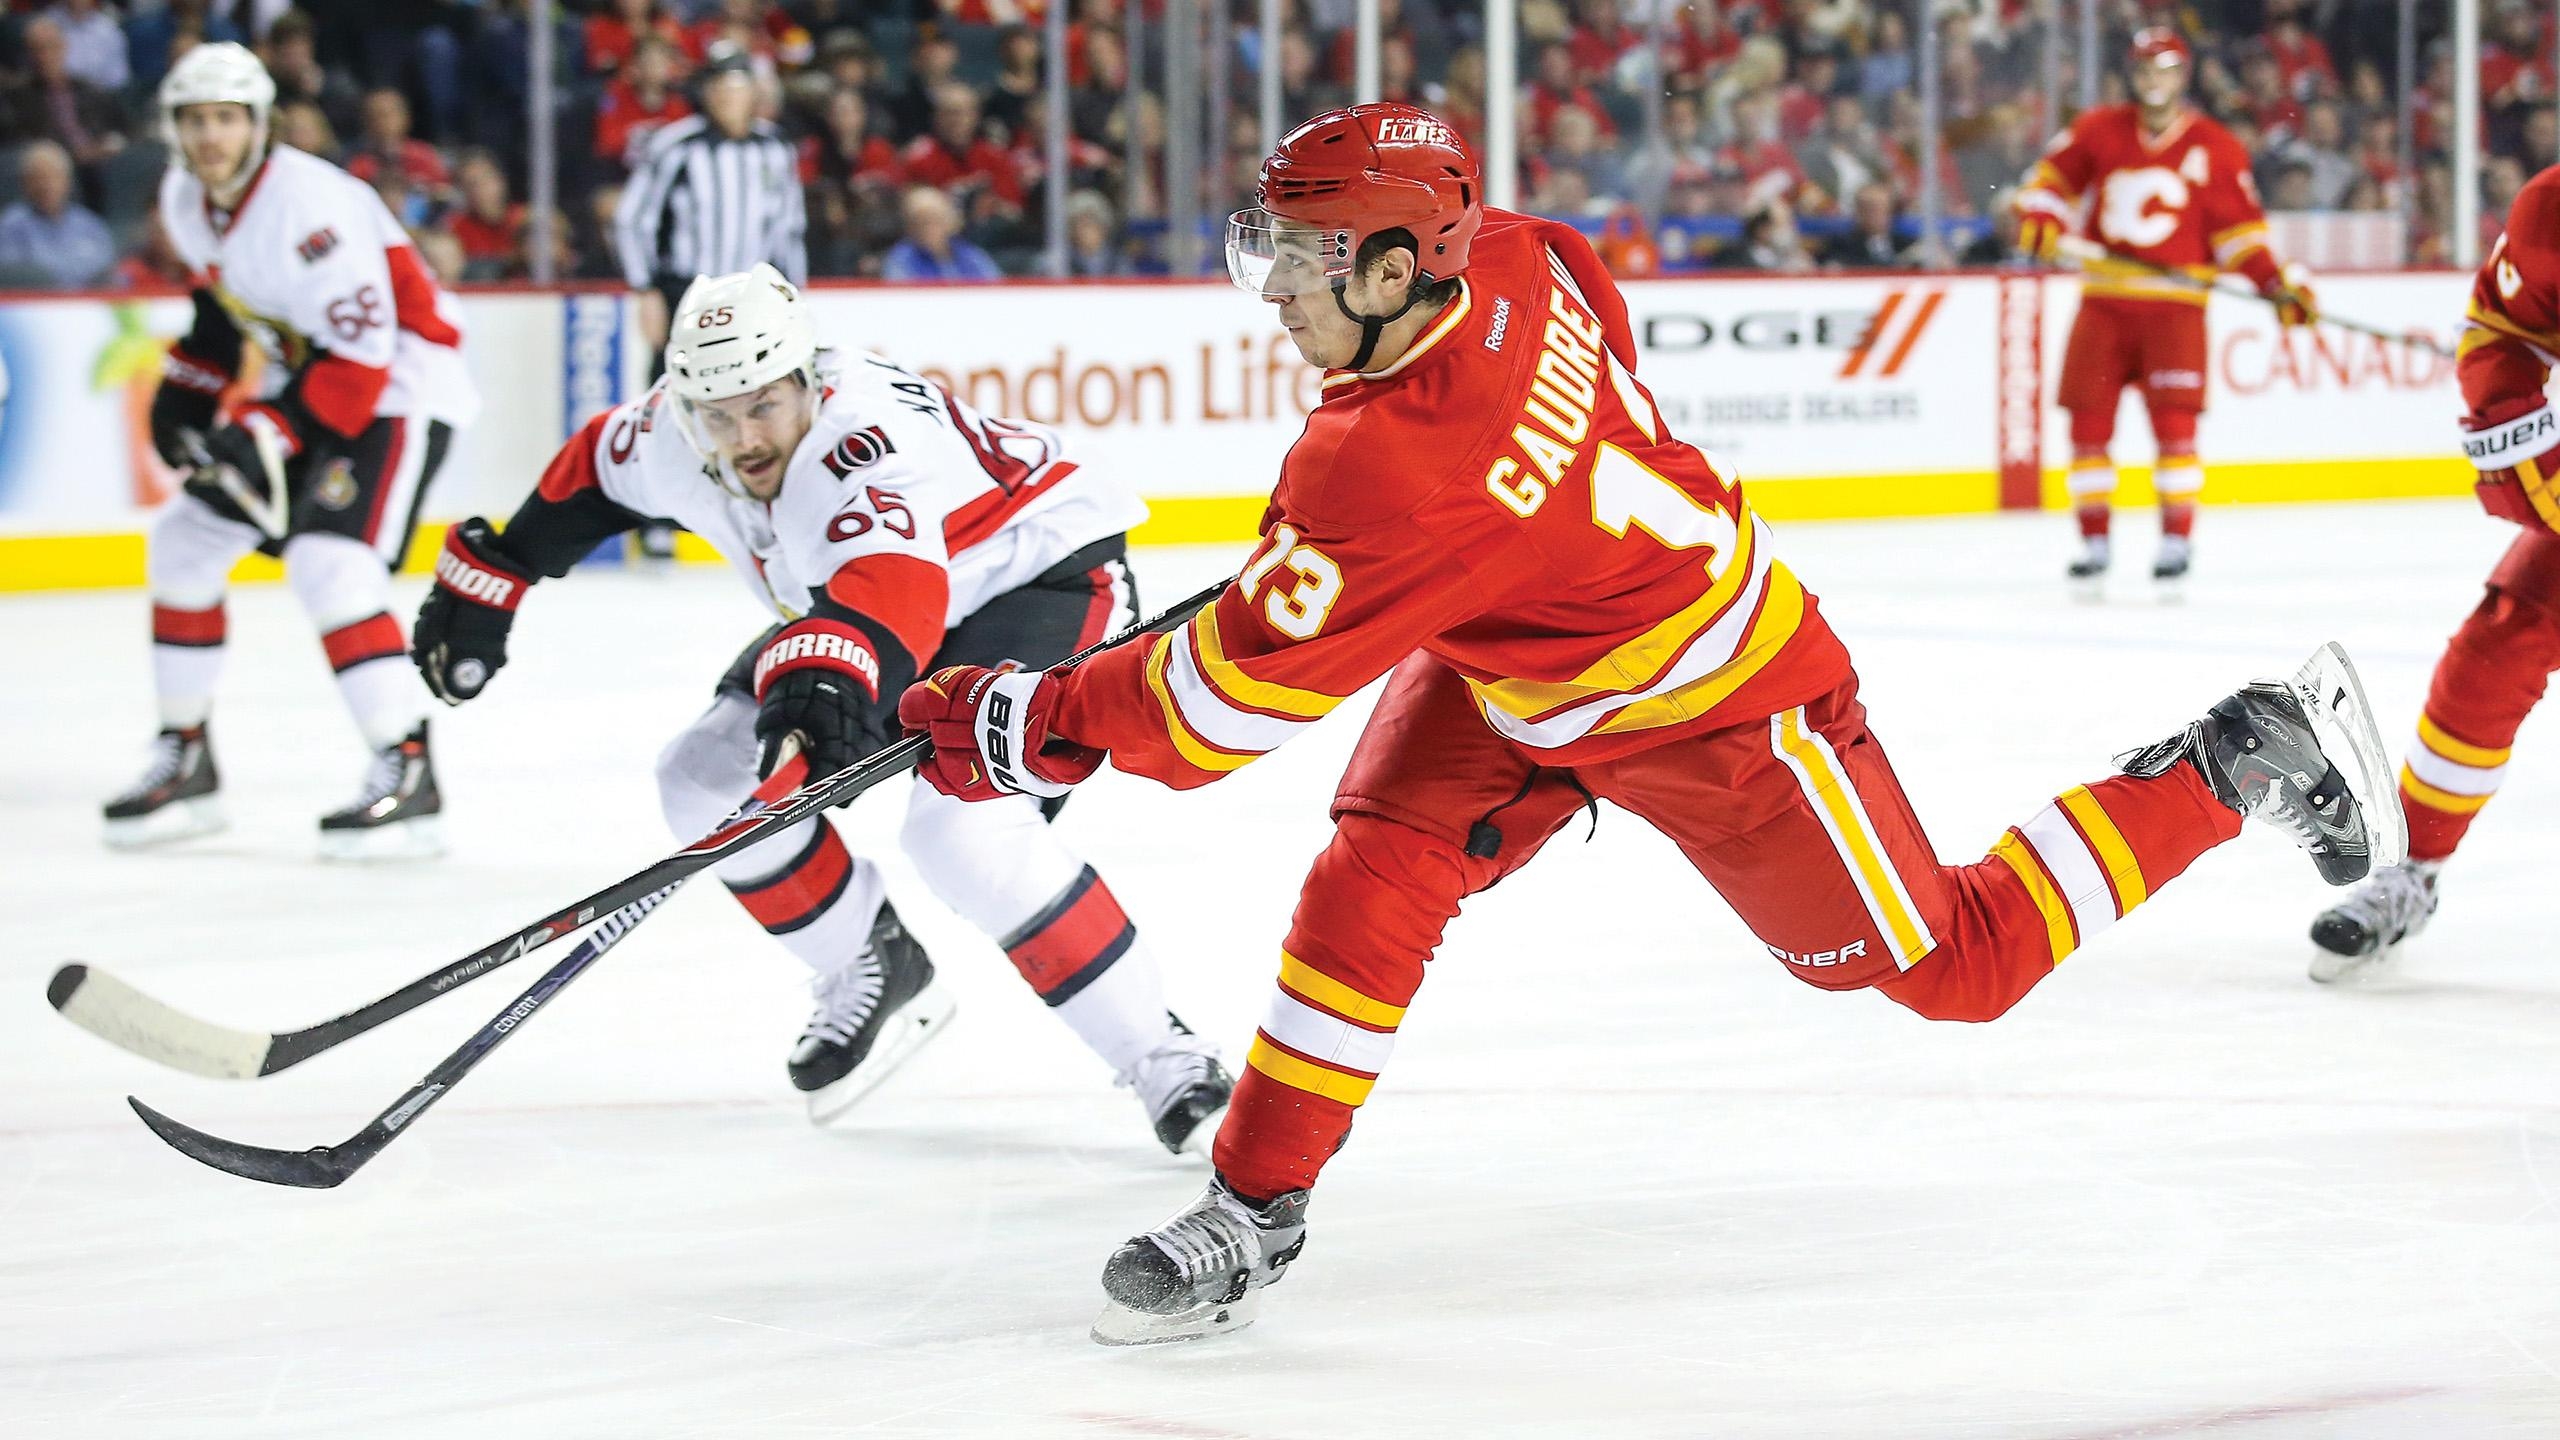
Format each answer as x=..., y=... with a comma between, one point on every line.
x=1626, y=1176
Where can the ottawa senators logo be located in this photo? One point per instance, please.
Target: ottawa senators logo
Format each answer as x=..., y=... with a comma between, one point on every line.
x=317, y=244
x=868, y=446
x=337, y=487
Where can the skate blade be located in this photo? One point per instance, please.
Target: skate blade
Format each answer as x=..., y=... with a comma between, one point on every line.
x=909, y=1031
x=419, y=839
x=2333, y=698
x=2331, y=968
x=171, y=823
x=1120, y=1325
x=1204, y=1135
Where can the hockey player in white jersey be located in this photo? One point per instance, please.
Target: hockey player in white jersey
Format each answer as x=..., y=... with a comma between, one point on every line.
x=890, y=527
x=362, y=391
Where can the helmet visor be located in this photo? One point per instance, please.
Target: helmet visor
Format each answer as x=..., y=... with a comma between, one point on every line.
x=1278, y=258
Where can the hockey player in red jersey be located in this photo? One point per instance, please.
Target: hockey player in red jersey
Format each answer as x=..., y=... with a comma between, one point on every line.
x=885, y=524
x=364, y=388
x=2493, y=673
x=1576, y=604
x=2160, y=185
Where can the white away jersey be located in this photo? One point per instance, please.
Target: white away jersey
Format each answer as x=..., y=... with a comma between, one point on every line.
x=895, y=473
x=313, y=269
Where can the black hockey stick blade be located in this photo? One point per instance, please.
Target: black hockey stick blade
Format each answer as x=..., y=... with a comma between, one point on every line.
x=315, y=1169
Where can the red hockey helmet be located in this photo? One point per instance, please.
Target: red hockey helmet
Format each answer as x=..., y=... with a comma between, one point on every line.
x=2155, y=45
x=1347, y=175
x=2160, y=61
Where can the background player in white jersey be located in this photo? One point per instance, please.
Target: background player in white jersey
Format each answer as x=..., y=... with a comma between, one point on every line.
x=890, y=527
x=363, y=388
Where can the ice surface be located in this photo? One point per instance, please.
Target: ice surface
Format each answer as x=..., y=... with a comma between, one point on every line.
x=1627, y=1177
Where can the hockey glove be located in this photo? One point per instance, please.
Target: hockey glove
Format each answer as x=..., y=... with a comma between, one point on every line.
x=819, y=679
x=460, y=640
x=990, y=733
x=2039, y=235
x=183, y=409
x=2516, y=447
x=2295, y=305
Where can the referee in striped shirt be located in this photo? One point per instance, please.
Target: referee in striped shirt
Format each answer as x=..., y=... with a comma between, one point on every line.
x=711, y=195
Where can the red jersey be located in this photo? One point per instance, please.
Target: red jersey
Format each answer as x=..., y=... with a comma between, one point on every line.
x=2184, y=200
x=2511, y=332
x=1506, y=498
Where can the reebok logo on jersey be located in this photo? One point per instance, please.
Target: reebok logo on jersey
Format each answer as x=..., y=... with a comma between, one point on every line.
x=317, y=244
x=1501, y=324
x=867, y=446
x=490, y=588
x=2500, y=446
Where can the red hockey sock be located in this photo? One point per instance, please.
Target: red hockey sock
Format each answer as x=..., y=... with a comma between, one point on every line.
x=2075, y=868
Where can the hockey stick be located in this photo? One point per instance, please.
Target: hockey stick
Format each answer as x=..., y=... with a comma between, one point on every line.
x=2079, y=254
x=125, y=1017
x=325, y=1166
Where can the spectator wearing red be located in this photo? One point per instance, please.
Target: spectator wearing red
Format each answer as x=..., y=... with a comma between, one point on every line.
x=2277, y=113
x=759, y=27
x=1599, y=39
x=386, y=143
x=1768, y=168
x=642, y=98
x=2302, y=58
x=2515, y=66
x=614, y=36
x=1700, y=43
x=1555, y=88
x=1803, y=99
x=487, y=224
x=956, y=158
x=844, y=150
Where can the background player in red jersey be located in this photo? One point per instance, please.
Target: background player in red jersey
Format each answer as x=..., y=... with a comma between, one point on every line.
x=2157, y=184
x=1577, y=605
x=2494, y=672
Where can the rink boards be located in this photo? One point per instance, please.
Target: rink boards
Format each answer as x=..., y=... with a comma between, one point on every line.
x=1834, y=396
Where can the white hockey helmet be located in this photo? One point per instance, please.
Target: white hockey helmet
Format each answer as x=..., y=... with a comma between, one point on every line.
x=732, y=334
x=223, y=73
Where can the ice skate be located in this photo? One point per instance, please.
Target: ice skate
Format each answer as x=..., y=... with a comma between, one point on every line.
x=177, y=797
x=1203, y=1271
x=2169, y=567
x=2360, y=933
x=872, y=1015
x=2273, y=752
x=397, y=815
x=2088, y=570
x=1184, y=1089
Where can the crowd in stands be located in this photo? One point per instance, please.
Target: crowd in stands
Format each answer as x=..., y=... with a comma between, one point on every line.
x=1764, y=134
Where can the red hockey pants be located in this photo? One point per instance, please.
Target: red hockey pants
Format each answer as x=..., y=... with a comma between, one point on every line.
x=1797, y=821
x=2490, y=678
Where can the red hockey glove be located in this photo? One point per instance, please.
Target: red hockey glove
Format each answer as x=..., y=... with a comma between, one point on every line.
x=990, y=733
x=2516, y=446
x=460, y=640
x=2295, y=305
x=2040, y=236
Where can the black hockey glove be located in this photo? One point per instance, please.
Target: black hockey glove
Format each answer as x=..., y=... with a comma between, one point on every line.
x=460, y=640
x=819, y=678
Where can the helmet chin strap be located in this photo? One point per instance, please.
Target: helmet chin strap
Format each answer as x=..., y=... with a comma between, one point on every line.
x=1372, y=326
